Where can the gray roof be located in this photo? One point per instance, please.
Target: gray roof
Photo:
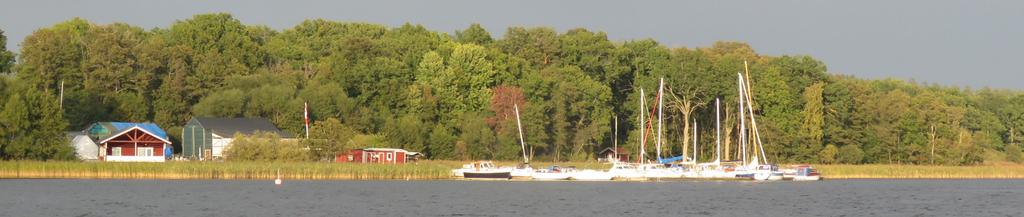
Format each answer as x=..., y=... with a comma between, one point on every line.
x=72, y=134
x=247, y=126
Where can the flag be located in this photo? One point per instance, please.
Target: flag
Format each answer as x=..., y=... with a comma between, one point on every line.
x=305, y=114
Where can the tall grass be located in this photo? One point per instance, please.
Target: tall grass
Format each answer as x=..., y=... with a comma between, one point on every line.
x=423, y=170
x=221, y=170
x=892, y=171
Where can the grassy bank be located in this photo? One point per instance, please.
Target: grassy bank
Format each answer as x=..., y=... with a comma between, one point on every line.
x=221, y=170
x=423, y=170
x=889, y=171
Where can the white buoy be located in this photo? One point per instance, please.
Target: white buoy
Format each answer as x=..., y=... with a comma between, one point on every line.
x=278, y=180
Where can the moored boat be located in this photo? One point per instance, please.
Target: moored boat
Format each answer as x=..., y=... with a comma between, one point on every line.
x=484, y=170
x=591, y=175
x=802, y=173
x=553, y=173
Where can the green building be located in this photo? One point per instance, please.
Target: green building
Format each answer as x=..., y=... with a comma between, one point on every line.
x=207, y=138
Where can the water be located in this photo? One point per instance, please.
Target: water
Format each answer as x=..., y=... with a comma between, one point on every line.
x=486, y=198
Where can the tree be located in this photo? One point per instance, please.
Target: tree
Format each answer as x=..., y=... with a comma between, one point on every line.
x=828, y=154
x=328, y=138
x=811, y=129
x=442, y=143
x=1013, y=154
x=850, y=154
x=6, y=56
x=474, y=34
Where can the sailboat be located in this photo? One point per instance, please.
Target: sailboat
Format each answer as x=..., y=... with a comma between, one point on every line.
x=753, y=169
x=714, y=169
x=524, y=170
x=658, y=169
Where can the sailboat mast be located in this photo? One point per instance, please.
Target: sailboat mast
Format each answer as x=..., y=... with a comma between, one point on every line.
x=694, y=141
x=643, y=131
x=718, y=131
x=522, y=142
x=753, y=121
x=743, y=118
x=661, y=88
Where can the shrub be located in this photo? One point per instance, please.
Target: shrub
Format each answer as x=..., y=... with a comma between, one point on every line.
x=263, y=146
x=850, y=154
x=1013, y=153
x=828, y=154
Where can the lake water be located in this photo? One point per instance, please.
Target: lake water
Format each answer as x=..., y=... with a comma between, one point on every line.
x=496, y=198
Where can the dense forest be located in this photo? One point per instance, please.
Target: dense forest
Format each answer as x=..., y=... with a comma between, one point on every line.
x=451, y=96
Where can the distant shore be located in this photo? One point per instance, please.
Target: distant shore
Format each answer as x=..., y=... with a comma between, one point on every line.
x=423, y=170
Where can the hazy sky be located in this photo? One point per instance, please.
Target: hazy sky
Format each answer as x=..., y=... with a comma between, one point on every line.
x=963, y=43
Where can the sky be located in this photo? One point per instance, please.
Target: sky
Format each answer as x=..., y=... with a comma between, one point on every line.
x=951, y=43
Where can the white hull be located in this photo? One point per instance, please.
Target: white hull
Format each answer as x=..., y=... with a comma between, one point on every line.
x=806, y=178
x=522, y=172
x=550, y=176
x=591, y=175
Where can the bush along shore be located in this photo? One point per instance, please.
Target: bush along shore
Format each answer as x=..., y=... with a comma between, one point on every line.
x=423, y=170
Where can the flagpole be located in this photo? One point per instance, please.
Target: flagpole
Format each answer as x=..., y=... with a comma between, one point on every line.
x=305, y=113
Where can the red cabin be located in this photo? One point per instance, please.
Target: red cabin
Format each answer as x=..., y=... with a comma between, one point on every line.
x=135, y=144
x=609, y=155
x=376, y=155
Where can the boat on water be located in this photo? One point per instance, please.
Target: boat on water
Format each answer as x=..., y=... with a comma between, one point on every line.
x=483, y=170
x=591, y=175
x=626, y=171
x=802, y=173
x=660, y=171
x=553, y=173
x=523, y=171
x=762, y=172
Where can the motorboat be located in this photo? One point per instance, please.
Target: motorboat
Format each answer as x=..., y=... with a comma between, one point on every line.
x=483, y=170
x=802, y=173
x=552, y=173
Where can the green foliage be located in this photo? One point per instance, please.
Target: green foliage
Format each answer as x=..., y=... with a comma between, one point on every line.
x=850, y=154
x=6, y=56
x=450, y=96
x=263, y=146
x=474, y=34
x=328, y=138
x=828, y=154
x=1013, y=153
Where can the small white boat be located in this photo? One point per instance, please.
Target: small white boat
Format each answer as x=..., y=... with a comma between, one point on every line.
x=591, y=175
x=626, y=171
x=553, y=173
x=523, y=171
x=767, y=172
x=657, y=171
x=802, y=173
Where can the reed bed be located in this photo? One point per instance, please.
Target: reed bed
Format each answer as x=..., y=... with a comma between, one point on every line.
x=222, y=170
x=892, y=171
x=423, y=170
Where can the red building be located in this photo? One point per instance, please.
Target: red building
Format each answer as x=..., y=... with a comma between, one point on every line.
x=376, y=155
x=134, y=144
x=609, y=155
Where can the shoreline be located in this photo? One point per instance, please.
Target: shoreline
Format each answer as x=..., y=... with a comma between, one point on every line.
x=426, y=170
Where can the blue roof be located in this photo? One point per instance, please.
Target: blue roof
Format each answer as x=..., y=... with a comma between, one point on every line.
x=151, y=127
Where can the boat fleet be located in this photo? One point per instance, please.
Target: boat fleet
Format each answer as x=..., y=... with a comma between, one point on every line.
x=752, y=165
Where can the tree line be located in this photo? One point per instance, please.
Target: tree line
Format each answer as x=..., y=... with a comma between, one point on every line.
x=451, y=96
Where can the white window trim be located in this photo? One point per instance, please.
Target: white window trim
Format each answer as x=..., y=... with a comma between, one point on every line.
x=144, y=151
x=116, y=151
